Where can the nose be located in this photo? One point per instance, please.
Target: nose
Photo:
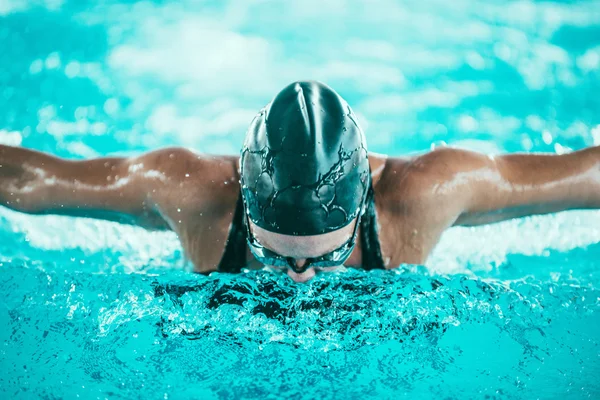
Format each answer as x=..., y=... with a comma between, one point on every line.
x=300, y=265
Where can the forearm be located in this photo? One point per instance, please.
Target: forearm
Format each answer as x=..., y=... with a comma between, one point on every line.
x=109, y=188
x=518, y=185
x=36, y=182
x=569, y=180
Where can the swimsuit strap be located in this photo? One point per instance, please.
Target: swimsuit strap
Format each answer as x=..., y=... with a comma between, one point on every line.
x=234, y=255
x=369, y=235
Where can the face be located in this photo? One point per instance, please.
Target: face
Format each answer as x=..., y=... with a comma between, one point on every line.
x=301, y=248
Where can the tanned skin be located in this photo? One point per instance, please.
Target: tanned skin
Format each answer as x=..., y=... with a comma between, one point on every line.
x=194, y=195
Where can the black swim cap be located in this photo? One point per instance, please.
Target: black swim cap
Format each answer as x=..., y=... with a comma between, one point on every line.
x=304, y=165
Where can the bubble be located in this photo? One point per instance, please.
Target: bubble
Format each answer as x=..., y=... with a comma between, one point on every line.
x=81, y=113
x=547, y=137
x=111, y=106
x=36, y=67
x=52, y=61
x=98, y=128
x=72, y=69
x=526, y=142
x=336, y=217
x=326, y=193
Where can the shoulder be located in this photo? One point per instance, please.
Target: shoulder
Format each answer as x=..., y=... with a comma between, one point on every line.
x=444, y=160
x=181, y=161
x=439, y=164
x=430, y=175
x=177, y=166
x=181, y=177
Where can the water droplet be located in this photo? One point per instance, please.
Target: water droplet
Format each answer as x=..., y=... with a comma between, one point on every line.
x=226, y=182
x=179, y=210
x=187, y=175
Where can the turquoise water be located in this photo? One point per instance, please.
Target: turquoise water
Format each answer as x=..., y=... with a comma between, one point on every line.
x=98, y=310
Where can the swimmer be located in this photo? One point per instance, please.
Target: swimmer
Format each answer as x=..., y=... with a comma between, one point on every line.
x=305, y=196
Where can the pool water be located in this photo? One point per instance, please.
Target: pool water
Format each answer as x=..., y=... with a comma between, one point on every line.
x=94, y=309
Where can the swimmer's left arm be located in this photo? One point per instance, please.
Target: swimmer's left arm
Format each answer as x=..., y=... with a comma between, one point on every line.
x=495, y=188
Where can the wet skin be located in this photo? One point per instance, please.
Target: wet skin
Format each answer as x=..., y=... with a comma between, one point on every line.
x=194, y=195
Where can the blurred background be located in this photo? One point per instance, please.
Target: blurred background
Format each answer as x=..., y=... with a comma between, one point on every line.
x=82, y=79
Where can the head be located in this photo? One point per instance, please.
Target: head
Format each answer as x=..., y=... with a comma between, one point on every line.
x=305, y=175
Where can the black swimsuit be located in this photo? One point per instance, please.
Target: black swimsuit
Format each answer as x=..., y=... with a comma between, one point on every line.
x=234, y=256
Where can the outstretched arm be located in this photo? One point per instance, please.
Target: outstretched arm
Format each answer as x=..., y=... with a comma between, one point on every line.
x=487, y=189
x=111, y=188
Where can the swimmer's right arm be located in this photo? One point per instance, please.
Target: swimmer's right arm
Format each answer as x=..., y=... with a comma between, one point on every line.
x=111, y=188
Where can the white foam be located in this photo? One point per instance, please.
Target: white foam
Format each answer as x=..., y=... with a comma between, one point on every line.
x=462, y=249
